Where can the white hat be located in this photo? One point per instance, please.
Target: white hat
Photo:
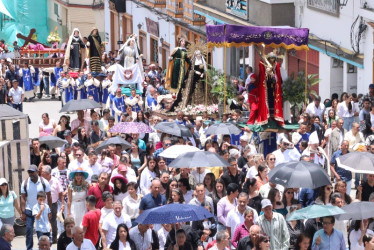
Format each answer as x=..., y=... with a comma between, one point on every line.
x=313, y=138
x=199, y=118
x=9, y=60
x=266, y=203
x=285, y=140
x=3, y=181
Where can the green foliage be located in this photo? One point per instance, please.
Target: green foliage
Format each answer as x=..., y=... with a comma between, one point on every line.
x=216, y=79
x=294, y=87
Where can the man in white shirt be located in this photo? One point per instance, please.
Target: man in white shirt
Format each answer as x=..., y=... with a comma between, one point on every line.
x=142, y=236
x=78, y=240
x=93, y=164
x=111, y=222
x=286, y=152
x=17, y=95
x=79, y=162
x=316, y=108
x=264, y=189
x=236, y=216
x=201, y=199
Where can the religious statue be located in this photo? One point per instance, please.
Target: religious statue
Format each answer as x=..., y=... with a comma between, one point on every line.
x=178, y=66
x=269, y=91
x=95, y=50
x=75, y=52
x=130, y=53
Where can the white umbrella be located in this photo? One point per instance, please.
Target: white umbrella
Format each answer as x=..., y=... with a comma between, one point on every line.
x=176, y=150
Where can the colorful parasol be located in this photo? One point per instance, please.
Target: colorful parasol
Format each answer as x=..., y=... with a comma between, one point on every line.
x=131, y=127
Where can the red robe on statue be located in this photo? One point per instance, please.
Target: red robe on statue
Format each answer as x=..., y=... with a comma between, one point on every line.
x=276, y=101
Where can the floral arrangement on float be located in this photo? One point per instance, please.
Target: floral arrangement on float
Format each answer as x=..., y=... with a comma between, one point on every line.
x=201, y=109
x=54, y=37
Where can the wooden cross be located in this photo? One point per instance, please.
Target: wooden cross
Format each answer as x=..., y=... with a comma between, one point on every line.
x=29, y=39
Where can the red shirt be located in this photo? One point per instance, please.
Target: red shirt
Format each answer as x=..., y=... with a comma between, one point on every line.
x=96, y=191
x=91, y=222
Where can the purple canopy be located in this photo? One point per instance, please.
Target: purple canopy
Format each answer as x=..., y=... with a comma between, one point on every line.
x=236, y=35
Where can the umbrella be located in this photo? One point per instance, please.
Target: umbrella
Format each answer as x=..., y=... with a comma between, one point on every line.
x=226, y=128
x=52, y=141
x=82, y=104
x=173, y=128
x=173, y=213
x=131, y=127
x=358, y=162
x=176, y=150
x=315, y=211
x=357, y=211
x=296, y=174
x=114, y=140
x=198, y=159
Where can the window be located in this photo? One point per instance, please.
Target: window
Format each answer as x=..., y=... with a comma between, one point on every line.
x=143, y=43
x=154, y=50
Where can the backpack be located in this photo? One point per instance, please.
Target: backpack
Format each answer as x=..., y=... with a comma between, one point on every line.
x=27, y=180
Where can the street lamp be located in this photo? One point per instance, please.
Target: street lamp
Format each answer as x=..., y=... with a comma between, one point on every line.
x=139, y=26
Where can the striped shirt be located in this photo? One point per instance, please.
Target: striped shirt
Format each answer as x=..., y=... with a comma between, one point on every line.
x=277, y=231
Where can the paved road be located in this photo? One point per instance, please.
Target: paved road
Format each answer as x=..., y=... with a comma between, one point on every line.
x=35, y=110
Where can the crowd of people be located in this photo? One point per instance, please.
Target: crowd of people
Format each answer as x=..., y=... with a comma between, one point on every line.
x=80, y=198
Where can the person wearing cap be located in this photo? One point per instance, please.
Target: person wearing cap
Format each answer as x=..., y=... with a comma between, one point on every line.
x=118, y=106
x=274, y=224
x=287, y=152
x=29, y=189
x=17, y=95
x=8, y=201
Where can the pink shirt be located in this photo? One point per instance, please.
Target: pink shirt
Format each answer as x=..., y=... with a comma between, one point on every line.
x=56, y=188
x=240, y=232
x=76, y=122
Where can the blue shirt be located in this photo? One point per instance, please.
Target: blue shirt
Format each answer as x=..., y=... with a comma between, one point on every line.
x=4, y=245
x=333, y=242
x=32, y=190
x=149, y=201
x=42, y=224
x=345, y=175
x=7, y=205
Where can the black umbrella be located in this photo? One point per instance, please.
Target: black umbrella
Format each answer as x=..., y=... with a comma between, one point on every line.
x=358, y=162
x=357, y=211
x=173, y=128
x=82, y=104
x=296, y=174
x=226, y=128
x=52, y=141
x=199, y=159
x=114, y=140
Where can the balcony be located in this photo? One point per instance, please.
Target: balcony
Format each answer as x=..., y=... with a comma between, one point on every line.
x=156, y=3
x=175, y=8
x=195, y=20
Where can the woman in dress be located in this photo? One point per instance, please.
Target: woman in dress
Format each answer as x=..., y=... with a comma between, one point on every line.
x=131, y=202
x=46, y=126
x=8, y=202
x=148, y=174
x=62, y=125
x=178, y=67
x=119, y=187
x=138, y=156
x=77, y=193
x=75, y=53
x=122, y=240
x=94, y=44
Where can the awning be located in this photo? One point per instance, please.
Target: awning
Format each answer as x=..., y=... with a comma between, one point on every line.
x=4, y=10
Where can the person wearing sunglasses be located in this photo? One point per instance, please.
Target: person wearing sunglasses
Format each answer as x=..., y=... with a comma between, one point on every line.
x=8, y=201
x=328, y=237
x=263, y=242
x=324, y=195
x=287, y=152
